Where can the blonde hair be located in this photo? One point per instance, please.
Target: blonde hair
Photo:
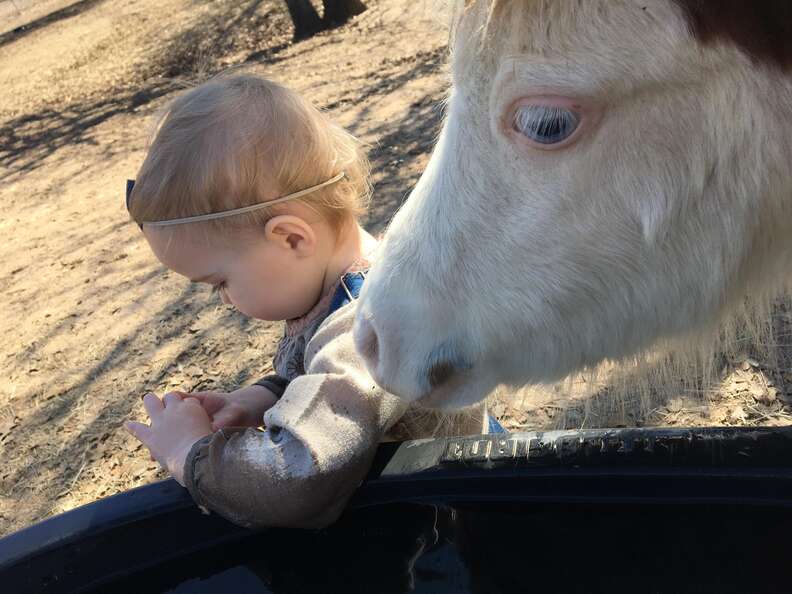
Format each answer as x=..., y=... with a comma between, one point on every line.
x=241, y=140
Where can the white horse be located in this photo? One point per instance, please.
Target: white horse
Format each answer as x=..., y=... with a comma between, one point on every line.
x=610, y=174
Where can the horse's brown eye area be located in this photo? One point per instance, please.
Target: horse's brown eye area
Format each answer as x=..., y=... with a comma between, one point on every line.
x=546, y=125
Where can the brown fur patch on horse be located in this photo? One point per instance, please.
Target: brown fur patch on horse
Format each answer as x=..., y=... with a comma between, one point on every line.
x=761, y=28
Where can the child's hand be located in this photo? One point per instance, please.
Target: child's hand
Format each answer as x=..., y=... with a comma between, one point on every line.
x=241, y=408
x=177, y=422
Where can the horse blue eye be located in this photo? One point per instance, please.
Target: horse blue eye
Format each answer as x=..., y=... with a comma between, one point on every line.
x=545, y=124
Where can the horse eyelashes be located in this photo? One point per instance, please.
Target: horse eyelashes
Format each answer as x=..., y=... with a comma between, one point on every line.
x=545, y=124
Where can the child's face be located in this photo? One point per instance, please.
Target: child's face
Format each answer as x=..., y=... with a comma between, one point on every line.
x=261, y=278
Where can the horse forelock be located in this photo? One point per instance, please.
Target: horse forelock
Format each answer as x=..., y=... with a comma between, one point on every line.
x=761, y=29
x=545, y=16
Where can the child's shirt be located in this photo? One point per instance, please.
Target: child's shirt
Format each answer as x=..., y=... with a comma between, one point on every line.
x=289, y=360
x=321, y=435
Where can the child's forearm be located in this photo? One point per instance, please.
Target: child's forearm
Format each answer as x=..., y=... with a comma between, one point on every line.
x=322, y=435
x=252, y=480
x=245, y=407
x=301, y=471
x=175, y=464
x=261, y=396
x=275, y=383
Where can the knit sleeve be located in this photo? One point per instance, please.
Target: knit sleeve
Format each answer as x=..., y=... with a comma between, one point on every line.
x=319, y=441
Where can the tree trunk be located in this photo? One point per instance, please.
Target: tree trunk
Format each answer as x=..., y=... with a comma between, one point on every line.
x=340, y=11
x=305, y=18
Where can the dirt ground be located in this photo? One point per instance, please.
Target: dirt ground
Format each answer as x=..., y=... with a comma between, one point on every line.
x=91, y=321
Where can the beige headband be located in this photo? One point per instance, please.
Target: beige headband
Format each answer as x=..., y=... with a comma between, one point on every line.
x=245, y=209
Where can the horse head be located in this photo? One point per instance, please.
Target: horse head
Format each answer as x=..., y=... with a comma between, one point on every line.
x=609, y=173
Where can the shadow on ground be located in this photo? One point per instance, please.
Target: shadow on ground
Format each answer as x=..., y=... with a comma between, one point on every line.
x=66, y=12
x=189, y=57
x=63, y=393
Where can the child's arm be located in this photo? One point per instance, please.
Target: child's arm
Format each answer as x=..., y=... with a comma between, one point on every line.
x=244, y=407
x=179, y=420
x=321, y=437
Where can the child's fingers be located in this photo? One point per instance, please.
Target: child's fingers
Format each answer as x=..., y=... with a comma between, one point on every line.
x=223, y=419
x=139, y=430
x=210, y=401
x=152, y=404
x=171, y=398
x=213, y=406
x=201, y=395
x=194, y=402
x=229, y=417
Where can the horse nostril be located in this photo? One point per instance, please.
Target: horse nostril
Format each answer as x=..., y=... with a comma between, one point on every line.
x=367, y=343
x=440, y=373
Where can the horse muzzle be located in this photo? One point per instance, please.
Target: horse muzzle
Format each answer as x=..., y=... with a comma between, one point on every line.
x=402, y=362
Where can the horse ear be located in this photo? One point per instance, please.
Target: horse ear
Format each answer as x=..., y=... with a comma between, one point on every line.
x=762, y=29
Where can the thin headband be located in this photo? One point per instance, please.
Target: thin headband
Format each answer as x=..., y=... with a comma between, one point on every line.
x=234, y=211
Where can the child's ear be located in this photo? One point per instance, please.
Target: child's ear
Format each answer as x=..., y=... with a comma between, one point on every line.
x=291, y=233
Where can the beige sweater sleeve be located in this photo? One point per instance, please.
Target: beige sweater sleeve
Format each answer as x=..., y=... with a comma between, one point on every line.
x=320, y=440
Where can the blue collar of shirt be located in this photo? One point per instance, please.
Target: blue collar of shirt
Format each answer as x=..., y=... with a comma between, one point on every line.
x=348, y=290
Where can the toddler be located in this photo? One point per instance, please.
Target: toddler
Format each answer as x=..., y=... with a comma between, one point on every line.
x=250, y=189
